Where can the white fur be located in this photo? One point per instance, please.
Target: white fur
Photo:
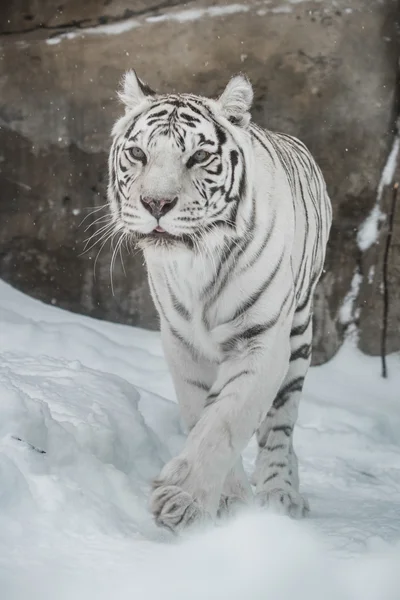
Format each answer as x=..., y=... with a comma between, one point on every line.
x=208, y=475
x=236, y=100
x=131, y=94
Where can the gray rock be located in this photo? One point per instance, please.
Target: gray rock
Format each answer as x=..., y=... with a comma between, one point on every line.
x=323, y=71
x=371, y=296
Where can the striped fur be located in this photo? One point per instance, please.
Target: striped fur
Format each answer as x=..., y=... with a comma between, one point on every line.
x=232, y=278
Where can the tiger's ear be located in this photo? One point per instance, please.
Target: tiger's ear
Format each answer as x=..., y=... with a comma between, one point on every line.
x=134, y=90
x=236, y=100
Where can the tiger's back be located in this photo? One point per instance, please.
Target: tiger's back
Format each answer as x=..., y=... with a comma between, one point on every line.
x=312, y=212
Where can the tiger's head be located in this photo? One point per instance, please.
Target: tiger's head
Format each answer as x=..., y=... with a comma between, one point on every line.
x=179, y=165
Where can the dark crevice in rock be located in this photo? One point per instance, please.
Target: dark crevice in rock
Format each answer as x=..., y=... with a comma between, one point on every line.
x=42, y=26
x=96, y=22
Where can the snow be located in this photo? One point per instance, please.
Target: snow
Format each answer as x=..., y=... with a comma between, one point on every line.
x=129, y=24
x=198, y=13
x=346, y=312
x=368, y=232
x=182, y=16
x=87, y=418
x=108, y=29
x=282, y=9
x=389, y=169
x=371, y=274
x=70, y=35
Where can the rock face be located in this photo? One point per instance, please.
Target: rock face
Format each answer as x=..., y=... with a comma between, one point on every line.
x=374, y=286
x=321, y=71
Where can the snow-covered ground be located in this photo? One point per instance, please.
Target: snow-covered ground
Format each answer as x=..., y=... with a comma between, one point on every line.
x=87, y=418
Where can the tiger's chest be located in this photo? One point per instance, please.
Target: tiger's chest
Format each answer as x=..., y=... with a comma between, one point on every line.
x=199, y=303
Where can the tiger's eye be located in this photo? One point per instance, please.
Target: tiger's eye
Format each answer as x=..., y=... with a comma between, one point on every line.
x=137, y=153
x=200, y=156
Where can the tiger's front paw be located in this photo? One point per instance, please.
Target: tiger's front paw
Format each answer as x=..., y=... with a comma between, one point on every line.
x=175, y=509
x=176, y=498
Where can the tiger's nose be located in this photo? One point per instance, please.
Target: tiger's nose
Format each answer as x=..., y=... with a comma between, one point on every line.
x=158, y=207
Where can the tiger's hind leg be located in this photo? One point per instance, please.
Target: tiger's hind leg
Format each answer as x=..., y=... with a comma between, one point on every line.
x=276, y=473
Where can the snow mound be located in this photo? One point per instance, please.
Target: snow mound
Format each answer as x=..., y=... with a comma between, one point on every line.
x=87, y=419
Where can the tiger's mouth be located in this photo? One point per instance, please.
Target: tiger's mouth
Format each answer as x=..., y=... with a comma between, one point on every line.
x=160, y=234
x=159, y=237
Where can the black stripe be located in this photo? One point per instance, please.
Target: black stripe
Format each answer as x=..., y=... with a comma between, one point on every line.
x=183, y=341
x=263, y=245
x=236, y=376
x=303, y=352
x=221, y=135
x=252, y=299
x=219, y=212
x=286, y=429
x=188, y=117
x=204, y=140
x=293, y=386
x=196, y=110
x=216, y=171
x=179, y=307
x=249, y=333
x=224, y=256
x=231, y=252
x=131, y=127
x=146, y=89
x=309, y=293
x=286, y=155
x=243, y=177
x=284, y=394
x=300, y=329
x=307, y=226
x=212, y=397
x=303, y=273
x=234, y=159
x=160, y=113
x=199, y=384
x=270, y=477
x=276, y=447
x=256, y=131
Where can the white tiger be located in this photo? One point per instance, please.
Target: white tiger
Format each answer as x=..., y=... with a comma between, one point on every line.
x=233, y=221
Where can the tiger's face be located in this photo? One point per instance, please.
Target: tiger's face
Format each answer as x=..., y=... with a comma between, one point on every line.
x=178, y=164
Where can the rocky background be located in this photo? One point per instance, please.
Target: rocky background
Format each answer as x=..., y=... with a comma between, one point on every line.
x=325, y=71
